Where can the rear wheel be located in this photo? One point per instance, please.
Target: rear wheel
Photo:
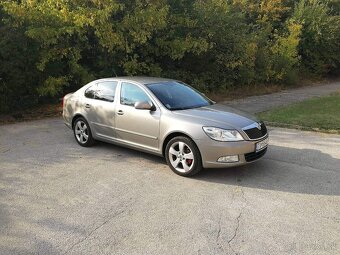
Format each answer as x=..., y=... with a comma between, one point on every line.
x=82, y=132
x=183, y=156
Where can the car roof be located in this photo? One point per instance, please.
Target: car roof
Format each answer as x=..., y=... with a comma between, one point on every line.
x=140, y=79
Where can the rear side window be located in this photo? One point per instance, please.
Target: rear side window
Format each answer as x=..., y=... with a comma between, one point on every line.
x=89, y=93
x=130, y=94
x=104, y=91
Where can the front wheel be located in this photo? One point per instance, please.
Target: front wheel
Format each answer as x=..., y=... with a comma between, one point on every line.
x=183, y=156
x=82, y=132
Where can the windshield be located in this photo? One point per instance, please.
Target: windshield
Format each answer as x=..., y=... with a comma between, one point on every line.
x=178, y=96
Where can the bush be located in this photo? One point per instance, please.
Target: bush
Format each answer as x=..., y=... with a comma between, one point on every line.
x=319, y=47
x=48, y=48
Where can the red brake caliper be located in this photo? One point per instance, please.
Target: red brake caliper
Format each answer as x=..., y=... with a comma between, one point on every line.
x=189, y=161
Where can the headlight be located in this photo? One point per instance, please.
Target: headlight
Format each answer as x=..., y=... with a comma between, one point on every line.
x=223, y=135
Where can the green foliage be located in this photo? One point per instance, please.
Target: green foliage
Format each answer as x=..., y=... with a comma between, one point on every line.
x=320, y=39
x=316, y=113
x=17, y=77
x=51, y=47
x=285, y=54
x=334, y=5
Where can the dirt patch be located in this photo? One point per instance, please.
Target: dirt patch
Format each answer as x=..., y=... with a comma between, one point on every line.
x=40, y=112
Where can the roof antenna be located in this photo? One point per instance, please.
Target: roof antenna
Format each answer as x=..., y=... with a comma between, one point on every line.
x=114, y=71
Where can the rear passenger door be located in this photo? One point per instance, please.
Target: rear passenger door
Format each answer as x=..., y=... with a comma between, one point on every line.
x=100, y=108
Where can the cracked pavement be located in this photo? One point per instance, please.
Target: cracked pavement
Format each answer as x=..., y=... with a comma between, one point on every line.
x=59, y=198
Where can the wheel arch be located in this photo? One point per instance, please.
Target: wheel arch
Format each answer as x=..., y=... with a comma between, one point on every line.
x=175, y=134
x=76, y=116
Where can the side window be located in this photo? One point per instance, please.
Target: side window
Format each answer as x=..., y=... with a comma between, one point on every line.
x=130, y=94
x=89, y=93
x=104, y=91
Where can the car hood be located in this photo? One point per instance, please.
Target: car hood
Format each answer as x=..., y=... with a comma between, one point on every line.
x=219, y=115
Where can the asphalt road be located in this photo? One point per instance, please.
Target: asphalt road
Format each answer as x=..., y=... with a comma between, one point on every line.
x=59, y=198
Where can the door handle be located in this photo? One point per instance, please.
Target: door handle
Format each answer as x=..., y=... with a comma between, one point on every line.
x=87, y=106
x=120, y=112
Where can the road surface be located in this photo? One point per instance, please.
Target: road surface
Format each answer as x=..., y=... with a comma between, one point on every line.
x=59, y=198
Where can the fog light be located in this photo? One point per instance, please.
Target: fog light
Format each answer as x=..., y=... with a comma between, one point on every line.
x=228, y=159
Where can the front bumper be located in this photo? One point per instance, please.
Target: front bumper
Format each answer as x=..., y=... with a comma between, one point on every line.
x=212, y=150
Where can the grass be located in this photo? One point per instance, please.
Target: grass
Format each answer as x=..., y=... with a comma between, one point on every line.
x=316, y=114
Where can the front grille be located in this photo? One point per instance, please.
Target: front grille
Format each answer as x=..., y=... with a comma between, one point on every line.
x=255, y=133
x=254, y=155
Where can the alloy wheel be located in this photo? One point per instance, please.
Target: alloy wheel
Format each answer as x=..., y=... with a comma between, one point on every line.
x=181, y=157
x=81, y=132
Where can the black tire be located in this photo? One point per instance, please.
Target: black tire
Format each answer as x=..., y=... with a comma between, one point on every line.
x=80, y=135
x=182, y=158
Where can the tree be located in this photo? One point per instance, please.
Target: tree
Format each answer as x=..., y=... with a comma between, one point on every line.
x=49, y=47
x=320, y=40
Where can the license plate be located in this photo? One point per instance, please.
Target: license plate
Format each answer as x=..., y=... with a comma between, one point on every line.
x=262, y=145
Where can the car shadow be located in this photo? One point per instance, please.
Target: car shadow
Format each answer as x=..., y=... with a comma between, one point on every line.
x=305, y=171
x=125, y=152
x=283, y=169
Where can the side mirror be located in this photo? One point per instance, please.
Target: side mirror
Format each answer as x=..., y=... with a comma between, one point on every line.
x=145, y=106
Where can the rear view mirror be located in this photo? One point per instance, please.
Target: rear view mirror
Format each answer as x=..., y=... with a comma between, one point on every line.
x=144, y=106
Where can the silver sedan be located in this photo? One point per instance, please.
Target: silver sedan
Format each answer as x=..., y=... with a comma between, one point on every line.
x=167, y=118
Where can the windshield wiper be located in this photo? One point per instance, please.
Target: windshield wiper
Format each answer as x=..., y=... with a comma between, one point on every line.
x=186, y=108
x=178, y=109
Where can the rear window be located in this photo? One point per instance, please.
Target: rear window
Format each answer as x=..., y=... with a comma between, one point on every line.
x=104, y=91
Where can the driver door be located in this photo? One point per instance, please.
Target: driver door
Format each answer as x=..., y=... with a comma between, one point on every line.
x=133, y=126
